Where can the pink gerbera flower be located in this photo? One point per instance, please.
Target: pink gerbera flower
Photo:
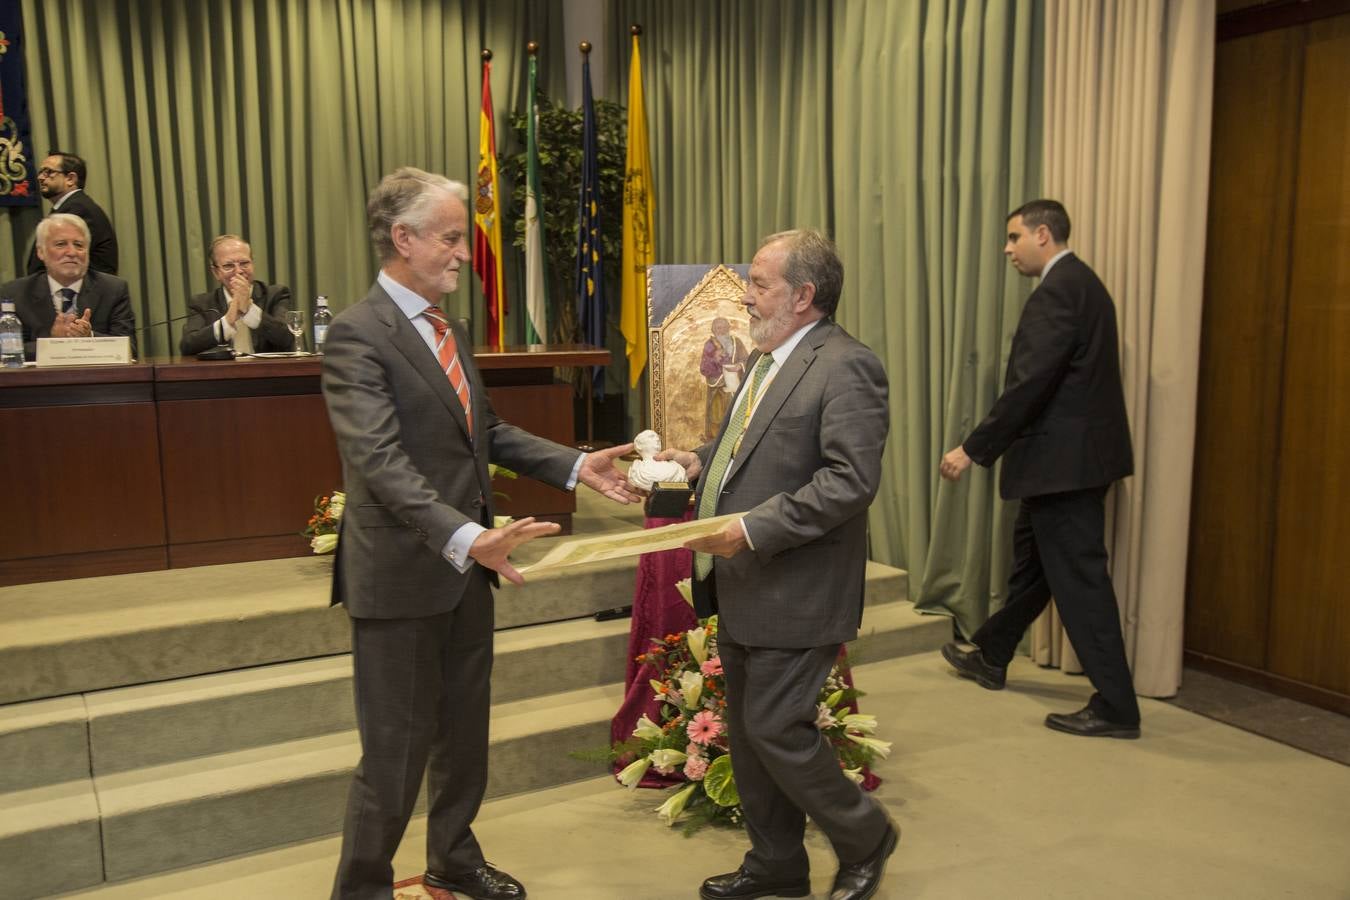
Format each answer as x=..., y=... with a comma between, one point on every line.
x=712, y=666
x=704, y=727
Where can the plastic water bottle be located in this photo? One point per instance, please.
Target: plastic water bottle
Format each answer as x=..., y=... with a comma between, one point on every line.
x=322, y=319
x=11, y=337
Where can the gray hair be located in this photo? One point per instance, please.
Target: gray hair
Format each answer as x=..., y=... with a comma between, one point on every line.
x=406, y=196
x=224, y=238
x=45, y=226
x=812, y=258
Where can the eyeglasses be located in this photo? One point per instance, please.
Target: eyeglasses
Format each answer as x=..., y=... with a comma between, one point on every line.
x=235, y=265
x=47, y=173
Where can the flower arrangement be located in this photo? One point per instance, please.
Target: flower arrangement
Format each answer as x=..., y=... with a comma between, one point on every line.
x=691, y=737
x=322, y=528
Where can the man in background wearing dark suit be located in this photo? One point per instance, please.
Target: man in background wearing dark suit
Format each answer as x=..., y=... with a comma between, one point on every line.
x=417, y=554
x=798, y=460
x=61, y=180
x=1061, y=428
x=68, y=299
x=248, y=314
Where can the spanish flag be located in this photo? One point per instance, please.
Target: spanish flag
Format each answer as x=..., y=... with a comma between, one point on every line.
x=639, y=243
x=487, y=221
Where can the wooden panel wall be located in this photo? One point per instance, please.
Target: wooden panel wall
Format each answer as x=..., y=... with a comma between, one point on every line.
x=1268, y=586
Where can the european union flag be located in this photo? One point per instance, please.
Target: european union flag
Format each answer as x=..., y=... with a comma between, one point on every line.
x=590, y=253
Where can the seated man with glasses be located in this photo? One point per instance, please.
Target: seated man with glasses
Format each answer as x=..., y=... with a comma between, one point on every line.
x=245, y=314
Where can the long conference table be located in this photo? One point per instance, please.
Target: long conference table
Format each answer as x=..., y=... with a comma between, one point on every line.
x=166, y=464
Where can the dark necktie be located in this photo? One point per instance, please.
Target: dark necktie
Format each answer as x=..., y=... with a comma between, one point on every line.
x=67, y=300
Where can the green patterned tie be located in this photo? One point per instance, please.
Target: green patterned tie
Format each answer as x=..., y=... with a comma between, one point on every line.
x=726, y=449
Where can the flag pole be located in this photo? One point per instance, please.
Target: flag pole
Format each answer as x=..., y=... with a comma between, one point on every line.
x=585, y=48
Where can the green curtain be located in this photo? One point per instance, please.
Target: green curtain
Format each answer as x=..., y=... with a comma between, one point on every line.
x=269, y=118
x=908, y=130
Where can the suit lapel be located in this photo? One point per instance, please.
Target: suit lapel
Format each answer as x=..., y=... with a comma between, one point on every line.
x=782, y=386
x=408, y=342
x=39, y=303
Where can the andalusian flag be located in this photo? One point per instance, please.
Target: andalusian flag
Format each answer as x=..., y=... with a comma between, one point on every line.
x=487, y=220
x=639, y=243
x=536, y=279
x=590, y=282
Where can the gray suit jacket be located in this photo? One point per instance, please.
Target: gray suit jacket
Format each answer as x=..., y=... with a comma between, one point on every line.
x=411, y=473
x=808, y=468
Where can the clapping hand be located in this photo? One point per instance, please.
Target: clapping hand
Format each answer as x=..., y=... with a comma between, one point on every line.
x=493, y=546
x=70, y=325
x=600, y=474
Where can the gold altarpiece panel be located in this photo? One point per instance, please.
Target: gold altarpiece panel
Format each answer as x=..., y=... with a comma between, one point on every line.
x=698, y=342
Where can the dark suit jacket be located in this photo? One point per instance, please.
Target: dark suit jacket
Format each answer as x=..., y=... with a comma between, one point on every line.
x=411, y=473
x=106, y=295
x=102, y=238
x=1060, y=423
x=808, y=468
x=271, y=335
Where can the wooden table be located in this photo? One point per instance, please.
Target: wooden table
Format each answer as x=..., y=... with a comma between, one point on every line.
x=176, y=463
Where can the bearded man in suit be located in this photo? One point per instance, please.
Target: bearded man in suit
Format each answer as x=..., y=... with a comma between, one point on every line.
x=417, y=555
x=243, y=312
x=798, y=460
x=67, y=298
x=1061, y=429
x=61, y=180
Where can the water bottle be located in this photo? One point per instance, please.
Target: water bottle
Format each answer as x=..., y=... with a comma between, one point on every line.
x=11, y=337
x=322, y=318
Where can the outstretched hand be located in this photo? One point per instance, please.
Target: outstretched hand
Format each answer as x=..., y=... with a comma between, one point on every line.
x=494, y=545
x=692, y=464
x=600, y=474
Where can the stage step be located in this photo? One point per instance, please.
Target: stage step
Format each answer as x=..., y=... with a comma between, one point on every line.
x=162, y=805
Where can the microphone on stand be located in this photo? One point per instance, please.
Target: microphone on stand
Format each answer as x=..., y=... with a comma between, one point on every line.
x=221, y=350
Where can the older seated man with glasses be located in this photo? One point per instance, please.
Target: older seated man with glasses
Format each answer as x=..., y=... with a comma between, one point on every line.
x=246, y=314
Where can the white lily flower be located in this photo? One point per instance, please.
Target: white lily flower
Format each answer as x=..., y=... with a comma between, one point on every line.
x=337, y=504
x=658, y=688
x=647, y=730
x=860, y=722
x=698, y=644
x=668, y=759
x=824, y=717
x=855, y=775
x=833, y=700
x=671, y=809
x=324, y=543
x=501, y=521
x=879, y=747
x=633, y=772
x=686, y=589
x=691, y=686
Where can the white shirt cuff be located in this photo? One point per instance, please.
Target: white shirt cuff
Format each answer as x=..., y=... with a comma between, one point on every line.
x=253, y=318
x=576, y=470
x=456, y=550
x=747, y=534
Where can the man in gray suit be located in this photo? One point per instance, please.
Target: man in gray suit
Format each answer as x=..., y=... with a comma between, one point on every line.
x=417, y=555
x=799, y=458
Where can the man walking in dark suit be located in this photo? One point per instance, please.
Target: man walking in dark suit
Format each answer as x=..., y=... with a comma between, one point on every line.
x=61, y=181
x=242, y=312
x=1060, y=427
x=799, y=457
x=417, y=554
x=67, y=298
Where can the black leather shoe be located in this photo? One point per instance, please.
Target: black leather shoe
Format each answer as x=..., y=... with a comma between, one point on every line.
x=486, y=882
x=971, y=664
x=1088, y=723
x=860, y=880
x=740, y=884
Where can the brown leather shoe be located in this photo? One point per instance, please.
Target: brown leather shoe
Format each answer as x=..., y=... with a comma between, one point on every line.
x=486, y=882
x=741, y=884
x=860, y=880
x=972, y=664
x=1087, y=722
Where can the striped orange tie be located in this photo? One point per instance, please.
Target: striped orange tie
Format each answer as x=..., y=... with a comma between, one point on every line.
x=448, y=353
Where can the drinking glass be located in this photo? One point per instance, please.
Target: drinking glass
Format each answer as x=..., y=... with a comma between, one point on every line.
x=295, y=324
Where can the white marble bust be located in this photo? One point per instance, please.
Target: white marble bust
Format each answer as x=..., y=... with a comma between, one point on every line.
x=647, y=471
